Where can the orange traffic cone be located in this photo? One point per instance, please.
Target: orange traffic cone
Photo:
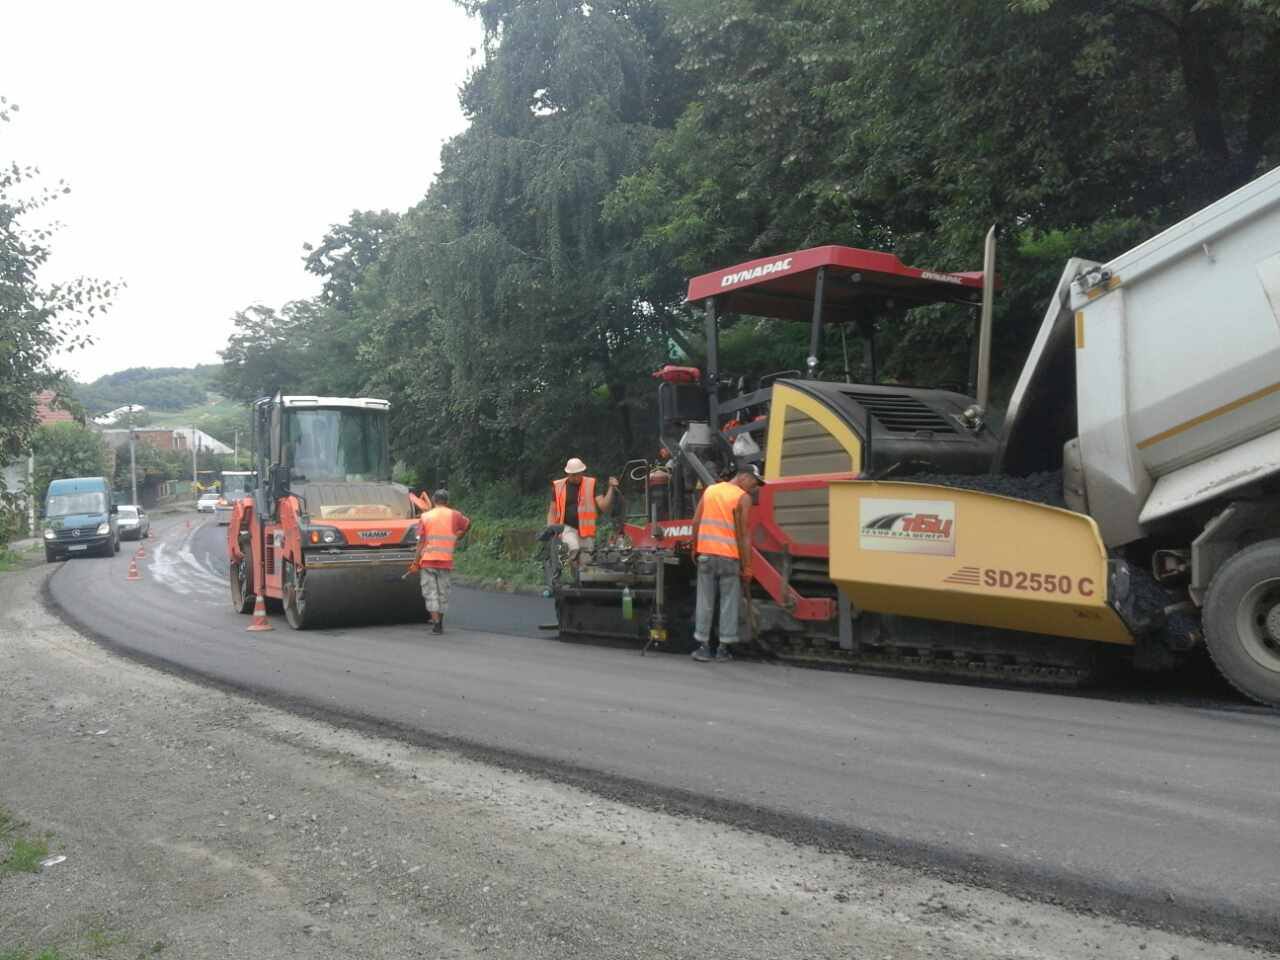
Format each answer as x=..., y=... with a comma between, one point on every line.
x=133, y=571
x=142, y=552
x=260, y=621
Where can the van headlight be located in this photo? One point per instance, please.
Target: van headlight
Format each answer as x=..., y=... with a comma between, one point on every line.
x=48, y=533
x=104, y=529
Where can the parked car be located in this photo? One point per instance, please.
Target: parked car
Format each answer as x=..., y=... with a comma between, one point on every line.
x=79, y=517
x=133, y=522
x=208, y=501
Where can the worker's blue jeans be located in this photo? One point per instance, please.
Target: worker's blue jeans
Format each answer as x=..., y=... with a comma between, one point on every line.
x=717, y=574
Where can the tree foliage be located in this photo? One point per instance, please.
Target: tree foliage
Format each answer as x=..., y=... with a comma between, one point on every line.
x=66, y=450
x=156, y=388
x=614, y=149
x=37, y=319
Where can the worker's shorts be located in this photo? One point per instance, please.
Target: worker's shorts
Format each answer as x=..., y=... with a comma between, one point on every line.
x=580, y=548
x=435, y=588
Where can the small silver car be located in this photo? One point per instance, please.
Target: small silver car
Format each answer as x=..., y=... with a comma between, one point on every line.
x=133, y=522
x=208, y=501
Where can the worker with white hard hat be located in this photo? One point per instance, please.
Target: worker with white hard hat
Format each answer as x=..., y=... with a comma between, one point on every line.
x=575, y=505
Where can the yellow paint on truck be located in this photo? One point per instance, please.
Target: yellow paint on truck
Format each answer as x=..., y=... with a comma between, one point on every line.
x=940, y=553
x=783, y=397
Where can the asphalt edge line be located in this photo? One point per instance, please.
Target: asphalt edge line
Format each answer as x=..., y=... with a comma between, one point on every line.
x=1215, y=922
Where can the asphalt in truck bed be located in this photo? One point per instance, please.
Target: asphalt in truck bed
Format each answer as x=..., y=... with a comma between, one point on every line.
x=1161, y=808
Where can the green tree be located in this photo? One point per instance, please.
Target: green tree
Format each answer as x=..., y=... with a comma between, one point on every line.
x=157, y=388
x=266, y=353
x=346, y=252
x=66, y=450
x=541, y=340
x=911, y=127
x=37, y=320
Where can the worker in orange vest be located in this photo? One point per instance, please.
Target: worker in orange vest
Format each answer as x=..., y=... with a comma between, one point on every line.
x=575, y=505
x=723, y=557
x=438, y=532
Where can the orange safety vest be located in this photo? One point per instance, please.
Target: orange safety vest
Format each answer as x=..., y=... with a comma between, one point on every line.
x=586, y=504
x=717, y=531
x=436, y=538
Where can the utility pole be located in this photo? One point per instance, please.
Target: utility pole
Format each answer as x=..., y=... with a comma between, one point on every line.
x=31, y=495
x=133, y=463
x=195, y=479
x=235, y=457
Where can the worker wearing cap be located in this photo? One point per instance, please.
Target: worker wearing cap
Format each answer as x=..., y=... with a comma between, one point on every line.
x=723, y=557
x=575, y=505
x=438, y=532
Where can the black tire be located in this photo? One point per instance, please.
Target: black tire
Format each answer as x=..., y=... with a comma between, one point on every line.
x=107, y=549
x=117, y=545
x=242, y=598
x=295, y=598
x=50, y=556
x=1242, y=621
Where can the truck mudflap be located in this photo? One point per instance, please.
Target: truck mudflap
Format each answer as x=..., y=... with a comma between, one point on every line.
x=941, y=553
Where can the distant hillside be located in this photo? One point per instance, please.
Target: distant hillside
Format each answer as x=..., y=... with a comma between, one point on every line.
x=156, y=388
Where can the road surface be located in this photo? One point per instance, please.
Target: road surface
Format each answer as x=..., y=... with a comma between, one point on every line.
x=1165, y=810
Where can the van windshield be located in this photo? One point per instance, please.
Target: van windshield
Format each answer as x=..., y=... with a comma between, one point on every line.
x=66, y=504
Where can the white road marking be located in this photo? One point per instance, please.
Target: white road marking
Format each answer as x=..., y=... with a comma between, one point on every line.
x=176, y=568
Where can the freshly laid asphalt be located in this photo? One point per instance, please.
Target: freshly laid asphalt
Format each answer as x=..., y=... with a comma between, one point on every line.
x=1153, y=809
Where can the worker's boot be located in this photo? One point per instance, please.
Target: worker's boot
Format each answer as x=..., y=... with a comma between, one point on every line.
x=437, y=626
x=703, y=653
x=724, y=653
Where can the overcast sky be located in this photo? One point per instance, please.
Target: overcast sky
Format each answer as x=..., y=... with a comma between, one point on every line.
x=205, y=143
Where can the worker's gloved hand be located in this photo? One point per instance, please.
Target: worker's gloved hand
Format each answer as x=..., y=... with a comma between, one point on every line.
x=745, y=574
x=550, y=531
x=613, y=481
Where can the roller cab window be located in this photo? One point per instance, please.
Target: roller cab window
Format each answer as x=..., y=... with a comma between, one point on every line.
x=336, y=445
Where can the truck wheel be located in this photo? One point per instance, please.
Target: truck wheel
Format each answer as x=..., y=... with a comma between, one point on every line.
x=295, y=598
x=1242, y=621
x=241, y=594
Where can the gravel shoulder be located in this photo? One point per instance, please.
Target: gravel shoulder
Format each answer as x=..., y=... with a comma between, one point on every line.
x=196, y=823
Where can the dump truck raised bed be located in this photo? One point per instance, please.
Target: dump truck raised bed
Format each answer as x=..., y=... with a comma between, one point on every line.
x=325, y=532
x=1130, y=505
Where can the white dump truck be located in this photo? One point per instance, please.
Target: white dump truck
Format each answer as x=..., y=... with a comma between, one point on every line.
x=1154, y=386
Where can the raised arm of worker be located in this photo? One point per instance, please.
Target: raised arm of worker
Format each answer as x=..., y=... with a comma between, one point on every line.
x=740, y=528
x=605, y=504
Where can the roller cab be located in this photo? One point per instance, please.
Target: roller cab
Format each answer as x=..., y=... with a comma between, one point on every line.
x=962, y=556
x=324, y=531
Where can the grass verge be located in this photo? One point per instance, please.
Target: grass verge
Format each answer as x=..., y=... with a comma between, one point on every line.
x=499, y=550
x=49, y=953
x=22, y=854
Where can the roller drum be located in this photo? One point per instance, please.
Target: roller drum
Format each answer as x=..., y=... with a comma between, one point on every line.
x=339, y=593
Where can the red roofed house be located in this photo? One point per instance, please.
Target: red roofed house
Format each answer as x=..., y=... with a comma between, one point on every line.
x=17, y=475
x=47, y=412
